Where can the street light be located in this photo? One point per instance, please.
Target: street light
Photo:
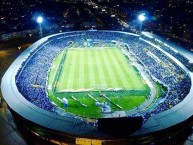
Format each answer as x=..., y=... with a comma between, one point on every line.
x=39, y=21
x=141, y=18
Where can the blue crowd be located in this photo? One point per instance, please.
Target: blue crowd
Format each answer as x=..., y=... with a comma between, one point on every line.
x=32, y=77
x=165, y=71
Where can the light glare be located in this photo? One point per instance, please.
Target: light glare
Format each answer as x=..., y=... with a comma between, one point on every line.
x=141, y=17
x=39, y=19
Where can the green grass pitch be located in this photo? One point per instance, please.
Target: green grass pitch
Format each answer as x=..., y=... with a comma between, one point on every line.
x=97, y=69
x=81, y=71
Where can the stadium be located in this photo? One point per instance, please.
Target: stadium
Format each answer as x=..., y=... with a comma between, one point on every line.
x=101, y=87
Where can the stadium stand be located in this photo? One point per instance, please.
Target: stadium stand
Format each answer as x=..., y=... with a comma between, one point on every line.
x=24, y=88
x=32, y=77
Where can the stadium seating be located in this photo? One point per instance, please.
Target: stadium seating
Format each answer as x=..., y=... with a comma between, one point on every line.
x=32, y=77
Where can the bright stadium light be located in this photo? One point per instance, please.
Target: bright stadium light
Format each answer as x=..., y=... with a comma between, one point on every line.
x=40, y=21
x=141, y=18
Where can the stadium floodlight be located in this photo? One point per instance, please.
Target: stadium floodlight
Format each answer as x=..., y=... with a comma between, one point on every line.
x=141, y=18
x=40, y=21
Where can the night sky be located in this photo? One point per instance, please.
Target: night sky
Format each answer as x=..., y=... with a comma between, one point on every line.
x=168, y=18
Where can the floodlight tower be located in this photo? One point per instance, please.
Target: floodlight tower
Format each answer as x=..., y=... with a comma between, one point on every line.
x=141, y=18
x=39, y=21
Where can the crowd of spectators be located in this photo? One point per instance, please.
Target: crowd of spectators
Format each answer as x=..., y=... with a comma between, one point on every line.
x=171, y=51
x=163, y=70
x=32, y=77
